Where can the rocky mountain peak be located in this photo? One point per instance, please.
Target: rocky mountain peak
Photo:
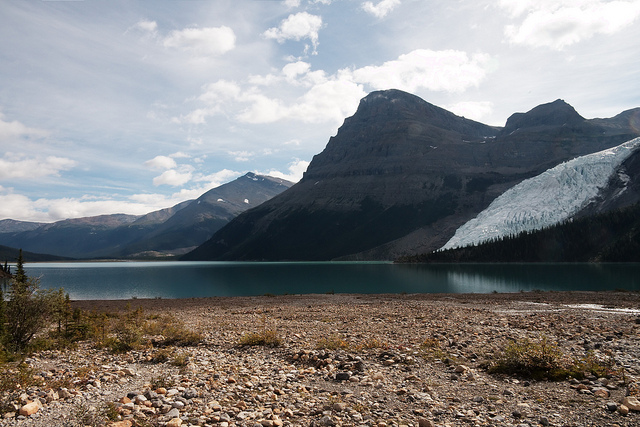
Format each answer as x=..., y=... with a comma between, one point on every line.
x=388, y=133
x=401, y=175
x=556, y=113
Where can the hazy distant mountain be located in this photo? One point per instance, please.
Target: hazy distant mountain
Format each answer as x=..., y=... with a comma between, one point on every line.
x=197, y=221
x=402, y=175
x=13, y=226
x=164, y=232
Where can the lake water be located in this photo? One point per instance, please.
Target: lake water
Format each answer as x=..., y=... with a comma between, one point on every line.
x=124, y=280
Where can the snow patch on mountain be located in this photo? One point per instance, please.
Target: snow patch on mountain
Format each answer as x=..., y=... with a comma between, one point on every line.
x=547, y=199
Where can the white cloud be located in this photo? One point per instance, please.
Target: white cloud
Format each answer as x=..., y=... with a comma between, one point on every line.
x=15, y=129
x=381, y=9
x=297, y=27
x=331, y=101
x=219, y=91
x=14, y=205
x=292, y=3
x=328, y=99
x=474, y=110
x=261, y=109
x=147, y=26
x=173, y=177
x=445, y=70
x=241, y=156
x=18, y=206
x=15, y=166
x=295, y=171
x=294, y=69
x=197, y=117
x=160, y=201
x=331, y=98
x=179, y=155
x=557, y=24
x=202, y=41
x=218, y=178
x=161, y=163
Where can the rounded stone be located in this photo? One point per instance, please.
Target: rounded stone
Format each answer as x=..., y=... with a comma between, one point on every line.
x=342, y=376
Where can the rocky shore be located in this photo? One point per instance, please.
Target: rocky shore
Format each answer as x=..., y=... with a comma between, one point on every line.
x=348, y=360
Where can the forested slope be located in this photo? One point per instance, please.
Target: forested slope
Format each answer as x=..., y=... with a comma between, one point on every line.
x=610, y=237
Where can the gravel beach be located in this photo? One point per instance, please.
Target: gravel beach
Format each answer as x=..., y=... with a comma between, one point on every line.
x=348, y=360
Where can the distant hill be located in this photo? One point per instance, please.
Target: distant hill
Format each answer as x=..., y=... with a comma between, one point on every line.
x=167, y=232
x=197, y=221
x=402, y=175
x=10, y=255
x=613, y=236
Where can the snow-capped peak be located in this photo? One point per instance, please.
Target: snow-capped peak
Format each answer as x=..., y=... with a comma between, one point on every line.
x=547, y=199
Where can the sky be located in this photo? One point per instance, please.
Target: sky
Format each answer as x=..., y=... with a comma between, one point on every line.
x=134, y=106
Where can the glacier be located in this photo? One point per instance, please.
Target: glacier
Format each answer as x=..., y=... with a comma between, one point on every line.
x=546, y=199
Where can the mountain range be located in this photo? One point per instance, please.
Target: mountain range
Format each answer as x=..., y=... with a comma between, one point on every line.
x=402, y=175
x=167, y=232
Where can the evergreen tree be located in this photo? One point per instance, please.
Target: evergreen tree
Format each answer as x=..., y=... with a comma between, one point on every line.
x=27, y=309
x=20, y=276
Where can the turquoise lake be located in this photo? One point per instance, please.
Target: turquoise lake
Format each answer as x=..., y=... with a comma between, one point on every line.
x=125, y=280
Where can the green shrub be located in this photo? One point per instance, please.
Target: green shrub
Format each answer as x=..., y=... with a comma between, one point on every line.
x=180, y=360
x=543, y=359
x=371, y=343
x=13, y=378
x=531, y=359
x=591, y=364
x=161, y=356
x=268, y=338
x=332, y=342
x=127, y=337
x=173, y=332
x=431, y=349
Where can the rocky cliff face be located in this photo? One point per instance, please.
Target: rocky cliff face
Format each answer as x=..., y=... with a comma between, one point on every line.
x=401, y=176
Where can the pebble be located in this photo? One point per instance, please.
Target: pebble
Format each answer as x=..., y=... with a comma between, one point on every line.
x=423, y=422
x=632, y=403
x=612, y=406
x=342, y=376
x=29, y=409
x=175, y=422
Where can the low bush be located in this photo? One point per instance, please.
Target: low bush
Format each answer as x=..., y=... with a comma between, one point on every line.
x=172, y=331
x=180, y=360
x=371, y=343
x=267, y=338
x=431, y=349
x=332, y=342
x=543, y=359
x=530, y=359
